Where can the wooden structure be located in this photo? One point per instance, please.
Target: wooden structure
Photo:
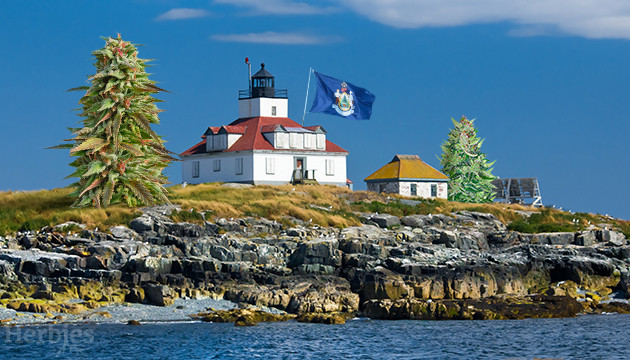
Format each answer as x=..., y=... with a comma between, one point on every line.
x=518, y=191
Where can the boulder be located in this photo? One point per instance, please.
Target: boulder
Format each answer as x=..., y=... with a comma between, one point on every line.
x=160, y=295
x=142, y=224
x=123, y=232
x=415, y=221
x=385, y=220
x=316, y=252
x=585, y=238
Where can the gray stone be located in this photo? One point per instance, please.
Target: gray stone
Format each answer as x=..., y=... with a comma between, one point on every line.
x=385, y=220
x=561, y=238
x=414, y=221
x=123, y=232
x=585, y=238
x=142, y=224
x=316, y=252
x=617, y=239
x=160, y=295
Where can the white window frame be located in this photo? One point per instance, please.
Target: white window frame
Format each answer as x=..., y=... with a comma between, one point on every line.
x=195, y=169
x=239, y=166
x=216, y=165
x=330, y=167
x=270, y=166
x=321, y=141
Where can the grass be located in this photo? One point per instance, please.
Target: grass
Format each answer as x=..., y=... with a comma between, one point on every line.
x=32, y=210
x=323, y=205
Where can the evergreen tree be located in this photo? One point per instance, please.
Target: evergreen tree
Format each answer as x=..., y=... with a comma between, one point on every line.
x=119, y=158
x=470, y=174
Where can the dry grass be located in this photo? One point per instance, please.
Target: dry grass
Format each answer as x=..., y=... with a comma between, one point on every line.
x=322, y=205
x=32, y=210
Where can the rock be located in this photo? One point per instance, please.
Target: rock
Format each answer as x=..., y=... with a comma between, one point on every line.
x=585, y=238
x=135, y=295
x=245, y=321
x=142, y=224
x=296, y=232
x=133, y=323
x=616, y=239
x=415, y=221
x=316, y=252
x=385, y=220
x=160, y=295
x=123, y=232
x=336, y=318
x=553, y=238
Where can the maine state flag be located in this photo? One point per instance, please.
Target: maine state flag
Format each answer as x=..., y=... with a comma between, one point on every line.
x=341, y=98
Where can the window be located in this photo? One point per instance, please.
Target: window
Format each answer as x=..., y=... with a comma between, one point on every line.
x=270, y=166
x=216, y=165
x=330, y=167
x=309, y=141
x=282, y=139
x=414, y=189
x=321, y=141
x=239, y=166
x=273, y=111
x=195, y=169
x=296, y=140
x=433, y=190
x=209, y=142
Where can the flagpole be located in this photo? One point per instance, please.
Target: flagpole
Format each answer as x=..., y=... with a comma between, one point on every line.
x=310, y=70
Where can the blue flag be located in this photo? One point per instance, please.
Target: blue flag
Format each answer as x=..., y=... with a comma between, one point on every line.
x=336, y=97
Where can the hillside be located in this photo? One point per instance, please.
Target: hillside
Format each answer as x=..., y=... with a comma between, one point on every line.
x=321, y=205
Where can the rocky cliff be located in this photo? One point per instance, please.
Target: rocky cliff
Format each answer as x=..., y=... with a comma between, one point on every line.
x=463, y=266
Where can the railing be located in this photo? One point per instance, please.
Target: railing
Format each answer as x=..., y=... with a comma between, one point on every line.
x=300, y=175
x=279, y=93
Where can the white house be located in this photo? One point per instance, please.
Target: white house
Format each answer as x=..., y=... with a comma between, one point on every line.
x=264, y=146
x=409, y=175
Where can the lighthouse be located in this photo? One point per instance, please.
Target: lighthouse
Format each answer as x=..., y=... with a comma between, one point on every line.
x=263, y=145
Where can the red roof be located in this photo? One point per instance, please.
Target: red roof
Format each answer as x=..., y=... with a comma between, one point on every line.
x=233, y=129
x=213, y=129
x=253, y=139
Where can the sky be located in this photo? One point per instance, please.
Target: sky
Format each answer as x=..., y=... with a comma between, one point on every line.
x=546, y=80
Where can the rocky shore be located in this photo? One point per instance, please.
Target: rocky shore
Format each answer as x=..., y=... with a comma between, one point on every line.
x=463, y=266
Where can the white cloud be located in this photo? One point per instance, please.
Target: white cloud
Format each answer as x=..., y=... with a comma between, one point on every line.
x=271, y=37
x=277, y=7
x=587, y=18
x=182, y=13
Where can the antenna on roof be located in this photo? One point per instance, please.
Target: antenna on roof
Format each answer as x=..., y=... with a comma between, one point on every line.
x=249, y=70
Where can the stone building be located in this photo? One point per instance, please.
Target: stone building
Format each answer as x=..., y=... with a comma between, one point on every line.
x=410, y=176
x=264, y=146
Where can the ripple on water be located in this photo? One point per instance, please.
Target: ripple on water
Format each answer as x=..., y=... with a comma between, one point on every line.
x=585, y=337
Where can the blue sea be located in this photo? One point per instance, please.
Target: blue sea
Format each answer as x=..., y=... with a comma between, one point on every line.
x=584, y=337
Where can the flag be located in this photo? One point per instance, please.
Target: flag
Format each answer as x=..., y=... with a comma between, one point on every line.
x=336, y=97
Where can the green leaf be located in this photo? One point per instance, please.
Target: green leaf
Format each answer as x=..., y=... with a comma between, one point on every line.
x=89, y=144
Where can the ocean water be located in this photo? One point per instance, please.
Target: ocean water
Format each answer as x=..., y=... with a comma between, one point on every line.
x=584, y=337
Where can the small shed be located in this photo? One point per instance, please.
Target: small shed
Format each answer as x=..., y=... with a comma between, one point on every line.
x=410, y=176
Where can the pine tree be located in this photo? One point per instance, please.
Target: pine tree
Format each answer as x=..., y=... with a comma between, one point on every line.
x=470, y=174
x=119, y=158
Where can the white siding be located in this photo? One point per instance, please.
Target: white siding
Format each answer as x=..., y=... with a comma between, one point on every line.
x=284, y=164
x=227, y=172
x=263, y=107
x=232, y=138
x=423, y=188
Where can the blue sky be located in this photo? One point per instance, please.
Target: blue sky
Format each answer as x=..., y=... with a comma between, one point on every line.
x=546, y=80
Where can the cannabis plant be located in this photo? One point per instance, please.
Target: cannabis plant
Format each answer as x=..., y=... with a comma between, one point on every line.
x=470, y=174
x=118, y=157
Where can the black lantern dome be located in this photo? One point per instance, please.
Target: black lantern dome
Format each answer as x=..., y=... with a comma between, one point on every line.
x=263, y=83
